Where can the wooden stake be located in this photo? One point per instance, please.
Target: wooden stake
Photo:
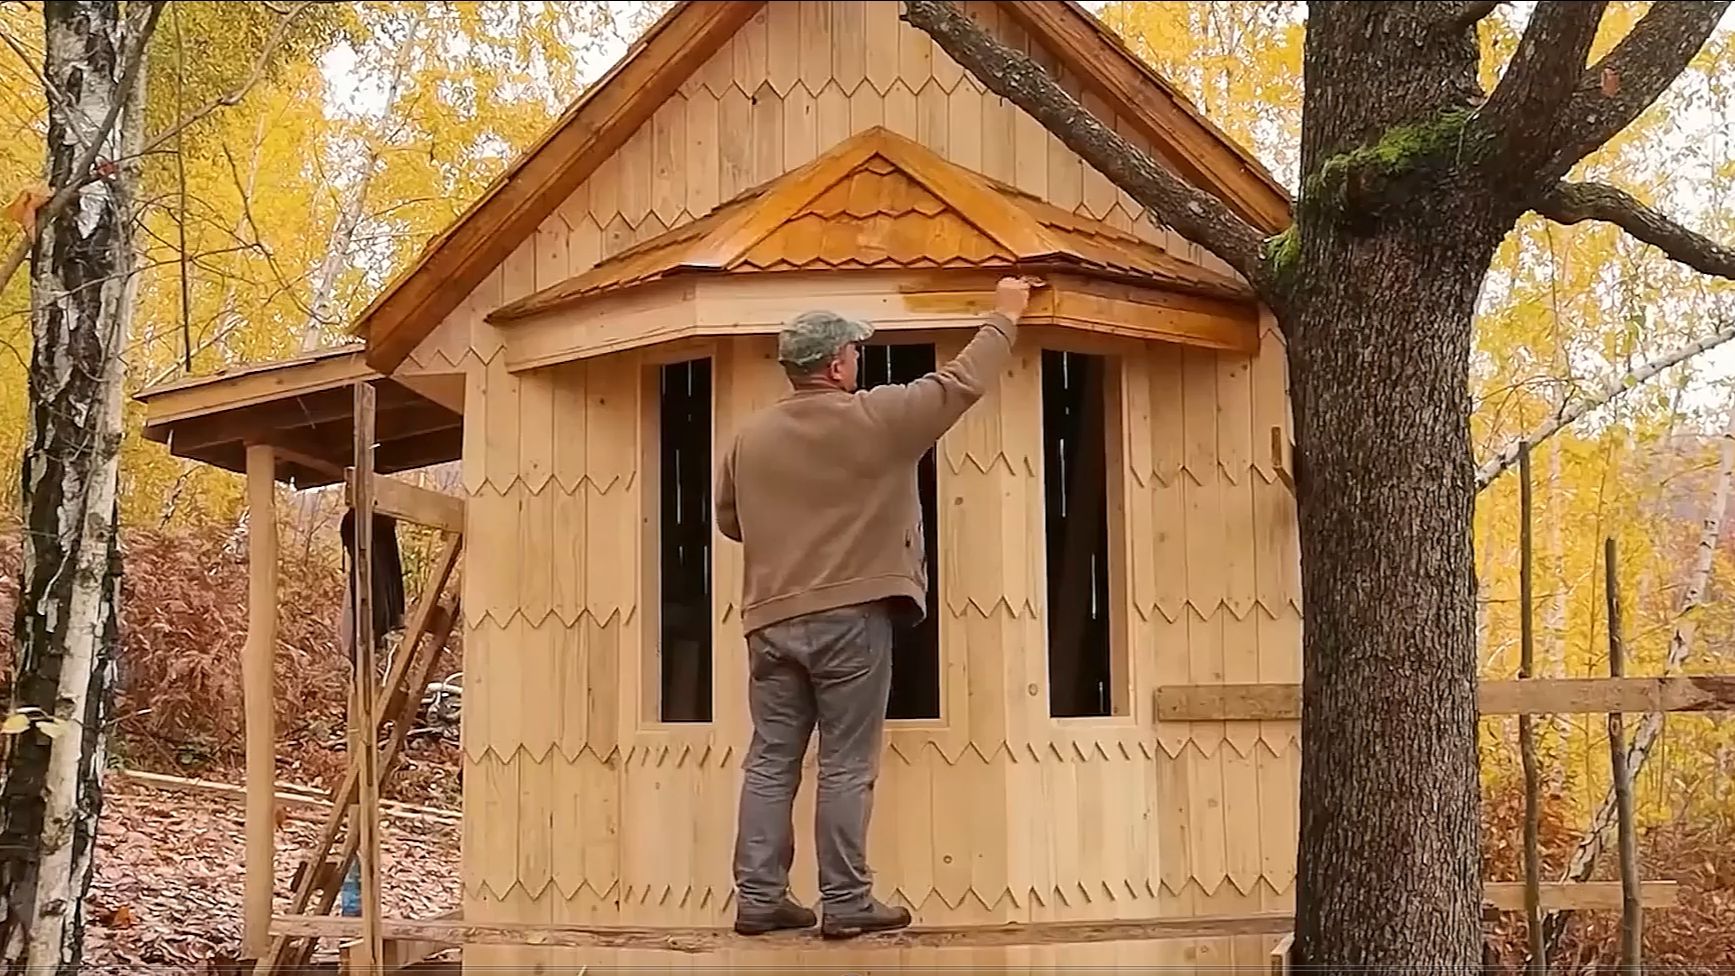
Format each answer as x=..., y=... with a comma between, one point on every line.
x=1632, y=920
x=1526, y=729
x=258, y=699
x=365, y=731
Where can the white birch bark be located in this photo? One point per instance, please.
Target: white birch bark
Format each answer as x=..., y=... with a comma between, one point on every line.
x=81, y=291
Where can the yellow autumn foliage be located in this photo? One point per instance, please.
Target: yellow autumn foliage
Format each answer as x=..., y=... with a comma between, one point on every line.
x=1564, y=310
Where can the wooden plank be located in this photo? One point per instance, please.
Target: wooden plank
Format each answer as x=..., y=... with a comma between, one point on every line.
x=363, y=722
x=410, y=503
x=258, y=698
x=1594, y=896
x=1279, y=702
x=1280, y=955
x=285, y=795
x=695, y=940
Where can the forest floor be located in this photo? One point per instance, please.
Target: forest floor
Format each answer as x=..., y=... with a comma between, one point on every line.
x=167, y=895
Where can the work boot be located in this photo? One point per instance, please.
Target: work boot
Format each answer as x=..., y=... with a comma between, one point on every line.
x=878, y=917
x=784, y=915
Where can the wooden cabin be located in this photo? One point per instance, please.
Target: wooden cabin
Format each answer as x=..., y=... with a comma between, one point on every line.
x=1116, y=515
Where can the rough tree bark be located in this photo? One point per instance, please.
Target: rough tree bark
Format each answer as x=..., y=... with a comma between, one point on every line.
x=1411, y=177
x=67, y=622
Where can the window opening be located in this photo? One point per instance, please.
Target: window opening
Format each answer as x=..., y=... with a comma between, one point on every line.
x=1075, y=453
x=684, y=540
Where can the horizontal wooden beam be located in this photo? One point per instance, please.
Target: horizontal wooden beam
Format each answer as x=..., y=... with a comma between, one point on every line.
x=712, y=939
x=449, y=931
x=1276, y=702
x=409, y=503
x=1588, y=896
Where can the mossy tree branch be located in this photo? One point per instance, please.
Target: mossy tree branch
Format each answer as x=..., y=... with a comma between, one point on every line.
x=1196, y=215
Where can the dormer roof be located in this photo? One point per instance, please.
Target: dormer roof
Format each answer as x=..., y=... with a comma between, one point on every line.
x=880, y=201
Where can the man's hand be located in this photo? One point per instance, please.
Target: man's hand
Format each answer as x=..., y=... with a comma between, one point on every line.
x=1012, y=295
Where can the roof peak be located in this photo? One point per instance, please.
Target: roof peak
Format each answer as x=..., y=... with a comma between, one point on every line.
x=608, y=113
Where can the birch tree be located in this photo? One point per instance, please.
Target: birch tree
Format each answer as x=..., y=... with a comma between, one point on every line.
x=81, y=293
x=1412, y=173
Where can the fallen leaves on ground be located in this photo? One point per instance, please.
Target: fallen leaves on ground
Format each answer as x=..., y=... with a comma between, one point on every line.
x=170, y=875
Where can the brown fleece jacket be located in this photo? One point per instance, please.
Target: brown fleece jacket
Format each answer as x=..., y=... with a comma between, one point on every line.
x=820, y=488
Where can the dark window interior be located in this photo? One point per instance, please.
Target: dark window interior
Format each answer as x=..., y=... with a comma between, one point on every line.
x=1075, y=494
x=684, y=540
x=916, y=650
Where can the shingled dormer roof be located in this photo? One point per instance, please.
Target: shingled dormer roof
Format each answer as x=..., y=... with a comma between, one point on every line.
x=600, y=122
x=880, y=201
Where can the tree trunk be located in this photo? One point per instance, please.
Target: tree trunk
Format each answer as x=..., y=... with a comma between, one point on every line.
x=1380, y=328
x=1412, y=177
x=67, y=627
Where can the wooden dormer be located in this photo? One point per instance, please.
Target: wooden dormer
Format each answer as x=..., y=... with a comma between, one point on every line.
x=881, y=227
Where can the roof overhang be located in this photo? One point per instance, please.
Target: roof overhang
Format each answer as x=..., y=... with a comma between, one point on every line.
x=453, y=263
x=304, y=408
x=702, y=306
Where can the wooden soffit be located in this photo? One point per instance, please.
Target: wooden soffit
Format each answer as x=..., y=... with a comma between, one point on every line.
x=509, y=210
x=696, y=307
x=304, y=407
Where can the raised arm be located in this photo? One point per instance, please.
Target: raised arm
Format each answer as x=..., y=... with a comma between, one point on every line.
x=918, y=413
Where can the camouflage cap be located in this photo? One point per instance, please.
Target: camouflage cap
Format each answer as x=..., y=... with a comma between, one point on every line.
x=811, y=339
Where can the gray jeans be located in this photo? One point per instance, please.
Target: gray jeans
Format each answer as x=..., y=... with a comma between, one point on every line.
x=833, y=668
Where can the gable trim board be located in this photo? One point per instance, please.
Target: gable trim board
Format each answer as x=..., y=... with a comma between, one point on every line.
x=600, y=122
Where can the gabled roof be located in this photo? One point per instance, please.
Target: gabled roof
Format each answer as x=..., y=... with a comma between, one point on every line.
x=515, y=203
x=878, y=201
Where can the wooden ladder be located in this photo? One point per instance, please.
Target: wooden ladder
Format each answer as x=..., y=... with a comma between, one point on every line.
x=320, y=877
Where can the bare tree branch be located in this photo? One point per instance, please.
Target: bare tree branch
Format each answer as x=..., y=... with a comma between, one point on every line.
x=1571, y=203
x=1541, y=76
x=1198, y=216
x=1613, y=92
x=87, y=159
x=1607, y=393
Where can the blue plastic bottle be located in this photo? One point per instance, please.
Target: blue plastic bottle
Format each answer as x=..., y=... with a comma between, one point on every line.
x=349, y=898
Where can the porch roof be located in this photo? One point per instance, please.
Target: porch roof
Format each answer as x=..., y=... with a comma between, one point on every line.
x=304, y=407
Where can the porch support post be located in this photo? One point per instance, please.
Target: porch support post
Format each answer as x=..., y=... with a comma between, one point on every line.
x=259, y=698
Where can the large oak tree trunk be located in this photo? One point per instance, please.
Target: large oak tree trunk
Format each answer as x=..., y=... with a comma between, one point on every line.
x=67, y=628
x=1389, y=868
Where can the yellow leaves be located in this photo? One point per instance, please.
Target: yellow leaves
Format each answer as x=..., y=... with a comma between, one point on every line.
x=29, y=717
x=22, y=210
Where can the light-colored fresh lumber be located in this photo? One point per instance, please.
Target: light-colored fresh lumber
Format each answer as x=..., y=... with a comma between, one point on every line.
x=1592, y=896
x=258, y=698
x=1280, y=955
x=364, y=717
x=695, y=940
x=286, y=794
x=410, y=503
x=1281, y=701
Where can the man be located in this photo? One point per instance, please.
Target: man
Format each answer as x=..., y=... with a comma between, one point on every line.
x=820, y=489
